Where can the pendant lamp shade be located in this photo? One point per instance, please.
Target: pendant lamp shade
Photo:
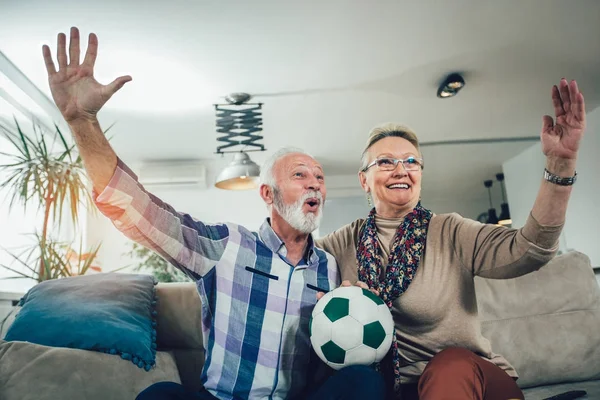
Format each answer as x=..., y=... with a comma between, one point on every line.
x=241, y=174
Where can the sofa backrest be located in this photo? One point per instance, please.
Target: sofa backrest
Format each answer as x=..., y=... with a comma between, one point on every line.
x=546, y=323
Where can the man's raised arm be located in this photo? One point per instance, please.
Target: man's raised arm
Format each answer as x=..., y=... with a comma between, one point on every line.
x=79, y=97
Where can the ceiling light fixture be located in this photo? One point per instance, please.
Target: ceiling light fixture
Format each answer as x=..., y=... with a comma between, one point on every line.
x=451, y=86
x=504, y=211
x=241, y=174
x=492, y=217
x=239, y=125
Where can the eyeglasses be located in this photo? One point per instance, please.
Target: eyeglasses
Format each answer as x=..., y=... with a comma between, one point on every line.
x=390, y=164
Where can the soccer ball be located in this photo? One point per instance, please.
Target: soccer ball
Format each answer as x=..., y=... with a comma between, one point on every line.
x=350, y=326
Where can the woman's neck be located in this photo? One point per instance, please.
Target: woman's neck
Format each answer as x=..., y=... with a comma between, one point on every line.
x=393, y=212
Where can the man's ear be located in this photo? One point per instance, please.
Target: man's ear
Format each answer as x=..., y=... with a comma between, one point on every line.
x=266, y=192
x=362, y=177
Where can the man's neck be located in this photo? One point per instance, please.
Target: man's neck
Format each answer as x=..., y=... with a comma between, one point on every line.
x=294, y=240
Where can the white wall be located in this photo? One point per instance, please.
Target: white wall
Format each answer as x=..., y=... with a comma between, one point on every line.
x=582, y=228
x=340, y=211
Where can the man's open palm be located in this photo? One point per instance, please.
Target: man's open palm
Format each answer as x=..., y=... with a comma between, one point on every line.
x=75, y=91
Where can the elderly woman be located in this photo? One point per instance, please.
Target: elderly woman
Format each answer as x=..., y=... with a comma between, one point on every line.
x=423, y=264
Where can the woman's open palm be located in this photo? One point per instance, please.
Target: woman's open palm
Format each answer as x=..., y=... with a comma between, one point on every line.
x=75, y=91
x=561, y=138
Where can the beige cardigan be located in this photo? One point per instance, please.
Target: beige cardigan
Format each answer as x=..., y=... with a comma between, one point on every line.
x=439, y=309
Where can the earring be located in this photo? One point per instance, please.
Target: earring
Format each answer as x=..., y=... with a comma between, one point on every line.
x=369, y=201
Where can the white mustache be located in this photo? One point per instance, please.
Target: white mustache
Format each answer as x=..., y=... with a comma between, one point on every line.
x=313, y=194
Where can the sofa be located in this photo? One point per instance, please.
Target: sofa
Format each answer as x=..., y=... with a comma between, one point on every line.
x=547, y=324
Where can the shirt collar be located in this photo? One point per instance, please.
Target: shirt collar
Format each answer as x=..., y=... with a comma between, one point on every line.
x=276, y=245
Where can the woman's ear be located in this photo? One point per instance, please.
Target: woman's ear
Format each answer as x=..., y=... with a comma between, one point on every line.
x=362, y=177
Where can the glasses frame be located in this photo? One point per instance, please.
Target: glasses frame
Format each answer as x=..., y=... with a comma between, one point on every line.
x=396, y=161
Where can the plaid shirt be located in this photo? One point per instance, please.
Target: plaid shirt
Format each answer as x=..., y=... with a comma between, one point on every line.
x=255, y=304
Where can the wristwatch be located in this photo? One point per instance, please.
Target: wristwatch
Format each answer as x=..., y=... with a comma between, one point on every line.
x=557, y=180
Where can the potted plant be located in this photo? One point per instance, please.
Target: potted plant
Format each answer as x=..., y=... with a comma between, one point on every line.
x=43, y=171
x=159, y=267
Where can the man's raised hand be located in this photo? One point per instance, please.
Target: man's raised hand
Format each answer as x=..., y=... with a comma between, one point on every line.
x=76, y=93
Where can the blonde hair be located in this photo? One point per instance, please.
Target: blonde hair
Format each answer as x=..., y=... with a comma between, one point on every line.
x=389, y=130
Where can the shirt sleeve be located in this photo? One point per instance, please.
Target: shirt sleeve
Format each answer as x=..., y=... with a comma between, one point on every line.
x=492, y=251
x=188, y=244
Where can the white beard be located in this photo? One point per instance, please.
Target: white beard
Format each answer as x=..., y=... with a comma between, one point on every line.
x=293, y=214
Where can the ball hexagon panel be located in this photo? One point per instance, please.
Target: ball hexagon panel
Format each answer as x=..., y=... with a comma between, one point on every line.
x=373, y=334
x=364, y=310
x=386, y=319
x=347, y=292
x=336, y=308
x=321, y=329
x=347, y=333
x=384, y=348
x=362, y=354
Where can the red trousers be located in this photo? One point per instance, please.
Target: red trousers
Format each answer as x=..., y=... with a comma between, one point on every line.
x=459, y=374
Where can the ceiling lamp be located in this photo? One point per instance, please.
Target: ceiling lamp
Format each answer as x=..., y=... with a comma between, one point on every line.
x=504, y=211
x=451, y=86
x=241, y=174
x=239, y=125
x=492, y=218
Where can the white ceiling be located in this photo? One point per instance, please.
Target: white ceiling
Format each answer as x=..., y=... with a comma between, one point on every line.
x=371, y=62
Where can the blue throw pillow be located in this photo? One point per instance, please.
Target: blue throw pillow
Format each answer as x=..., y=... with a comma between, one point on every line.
x=112, y=313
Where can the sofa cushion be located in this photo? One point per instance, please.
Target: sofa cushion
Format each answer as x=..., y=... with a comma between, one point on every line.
x=545, y=323
x=111, y=313
x=34, y=372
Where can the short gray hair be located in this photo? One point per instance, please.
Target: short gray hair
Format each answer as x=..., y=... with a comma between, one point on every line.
x=388, y=130
x=266, y=171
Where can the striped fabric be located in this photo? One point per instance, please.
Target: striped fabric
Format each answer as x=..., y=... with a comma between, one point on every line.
x=255, y=304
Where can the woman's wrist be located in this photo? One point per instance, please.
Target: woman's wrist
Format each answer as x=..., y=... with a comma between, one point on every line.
x=562, y=167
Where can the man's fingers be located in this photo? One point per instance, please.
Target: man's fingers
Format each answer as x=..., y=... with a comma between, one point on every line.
x=48, y=60
x=320, y=295
x=346, y=283
x=74, y=48
x=61, y=51
x=92, y=51
x=118, y=84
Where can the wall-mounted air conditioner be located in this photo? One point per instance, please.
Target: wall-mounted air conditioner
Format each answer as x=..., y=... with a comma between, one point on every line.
x=158, y=174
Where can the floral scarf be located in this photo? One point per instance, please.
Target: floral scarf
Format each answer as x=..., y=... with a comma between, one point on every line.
x=407, y=248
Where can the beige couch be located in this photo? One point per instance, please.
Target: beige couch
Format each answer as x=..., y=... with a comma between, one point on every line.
x=546, y=323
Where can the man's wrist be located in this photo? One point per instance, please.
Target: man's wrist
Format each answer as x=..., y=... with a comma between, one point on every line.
x=84, y=125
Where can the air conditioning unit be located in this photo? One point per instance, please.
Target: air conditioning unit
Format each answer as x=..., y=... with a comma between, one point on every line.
x=159, y=174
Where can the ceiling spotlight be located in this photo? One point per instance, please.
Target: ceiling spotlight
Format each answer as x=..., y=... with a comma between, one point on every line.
x=451, y=86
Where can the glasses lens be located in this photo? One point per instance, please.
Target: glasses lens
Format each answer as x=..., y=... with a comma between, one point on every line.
x=386, y=164
x=412, y=164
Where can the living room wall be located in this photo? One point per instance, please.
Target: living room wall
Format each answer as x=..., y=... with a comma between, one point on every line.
x=523, y=175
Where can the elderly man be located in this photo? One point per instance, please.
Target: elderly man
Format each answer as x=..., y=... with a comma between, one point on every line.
x=258, y=289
